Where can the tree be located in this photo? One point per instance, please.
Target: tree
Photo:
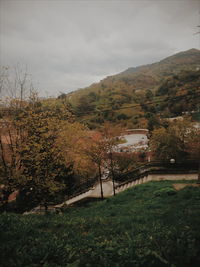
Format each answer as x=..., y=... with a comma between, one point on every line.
x=172, y=141
x=122, y=116
x=125, y=161
x=166, y=144
x=30, y=158
x=95, y=148
x=111, y=135
x=153, y=121
x=41, y=161
x=193, y=147
x=85, y=105
x=149, y=94
x=73, y=140
x=15, y=88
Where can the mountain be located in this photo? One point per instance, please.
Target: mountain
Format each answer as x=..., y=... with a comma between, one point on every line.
x=139, y=77
x=187, y=60
x=122, y=98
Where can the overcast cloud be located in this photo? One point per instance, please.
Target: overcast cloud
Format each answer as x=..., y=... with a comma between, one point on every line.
x=68, y=45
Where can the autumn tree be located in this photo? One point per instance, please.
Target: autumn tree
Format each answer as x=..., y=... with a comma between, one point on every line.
x=111, y=136
x=73, y=141
x=30, y=157
x=33, y=158
x=91, y=152
x=40, y=156
x=15, y=89
x=95, y=149
x=125, y=161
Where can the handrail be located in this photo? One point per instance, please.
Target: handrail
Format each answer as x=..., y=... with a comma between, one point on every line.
x=143, y=171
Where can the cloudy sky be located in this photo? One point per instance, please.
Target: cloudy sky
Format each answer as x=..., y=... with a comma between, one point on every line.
x=68, y=45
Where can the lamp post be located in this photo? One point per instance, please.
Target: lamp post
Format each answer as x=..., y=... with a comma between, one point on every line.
x=149, y=155
x=172, y=161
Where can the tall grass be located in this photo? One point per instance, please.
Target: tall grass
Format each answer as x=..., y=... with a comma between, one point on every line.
x=148, y=225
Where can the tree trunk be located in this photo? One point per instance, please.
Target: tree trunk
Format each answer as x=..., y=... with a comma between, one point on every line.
x=100, y=181
x=112, y=172
x=3, y=156
x=45, y=207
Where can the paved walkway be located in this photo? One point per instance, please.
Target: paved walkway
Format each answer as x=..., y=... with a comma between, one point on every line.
x=95, y=191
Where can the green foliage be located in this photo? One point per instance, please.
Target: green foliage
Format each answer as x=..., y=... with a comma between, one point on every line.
x=122, y=116
x=125, y=161
x=135, y=228
x=153, y=121
x=149, y=95
x=172, y=141
x=165, y=89
x=165, y=191
x=180, y=92
x=196, y=116
x=32, y=162
x=85, y=105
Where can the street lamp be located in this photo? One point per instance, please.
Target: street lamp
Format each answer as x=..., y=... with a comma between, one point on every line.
x=149, y=155
x=172, y=161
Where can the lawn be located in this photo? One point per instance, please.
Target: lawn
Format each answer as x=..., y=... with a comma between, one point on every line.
x=148, y=225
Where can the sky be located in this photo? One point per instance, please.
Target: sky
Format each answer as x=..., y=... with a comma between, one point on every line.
x=66, y=45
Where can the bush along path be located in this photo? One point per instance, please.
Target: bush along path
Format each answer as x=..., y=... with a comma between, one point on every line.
x=148, y=225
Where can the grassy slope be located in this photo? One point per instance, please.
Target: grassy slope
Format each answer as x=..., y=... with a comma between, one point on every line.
x=148, y=225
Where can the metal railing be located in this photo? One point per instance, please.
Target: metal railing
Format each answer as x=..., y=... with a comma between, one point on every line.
x=154, y=167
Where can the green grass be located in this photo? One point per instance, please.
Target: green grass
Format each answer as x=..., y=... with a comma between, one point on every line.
x=148, y=225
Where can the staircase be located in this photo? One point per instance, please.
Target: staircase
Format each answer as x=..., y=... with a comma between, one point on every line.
x=144, y=174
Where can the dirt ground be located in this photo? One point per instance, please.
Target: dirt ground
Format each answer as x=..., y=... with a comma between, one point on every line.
x=181, y=186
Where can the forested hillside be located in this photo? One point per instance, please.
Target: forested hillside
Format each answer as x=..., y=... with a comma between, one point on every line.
x=139, y=96
x=47, y=148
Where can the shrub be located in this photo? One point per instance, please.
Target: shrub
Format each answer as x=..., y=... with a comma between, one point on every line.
x=168, y=191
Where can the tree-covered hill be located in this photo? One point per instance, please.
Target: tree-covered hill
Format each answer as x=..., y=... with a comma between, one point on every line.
x=166, y=88
x=187, y=60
